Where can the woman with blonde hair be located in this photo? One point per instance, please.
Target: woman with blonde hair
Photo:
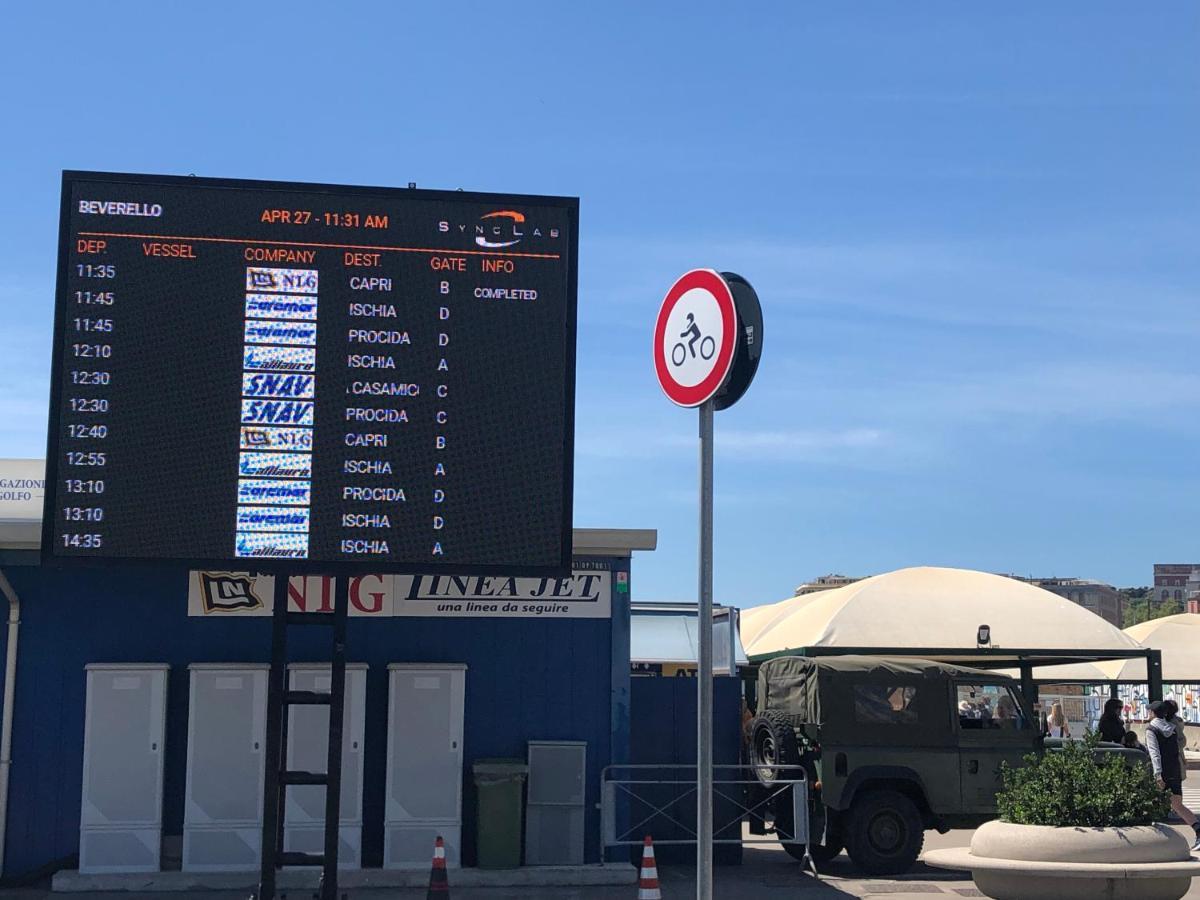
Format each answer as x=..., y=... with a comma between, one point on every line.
x=1056, y=725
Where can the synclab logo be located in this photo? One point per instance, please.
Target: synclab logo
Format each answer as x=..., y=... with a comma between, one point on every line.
x=513, y=220
x=221, y=592
x=500, y=229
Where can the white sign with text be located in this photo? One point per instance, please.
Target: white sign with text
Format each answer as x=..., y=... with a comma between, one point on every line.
x=585, y=594
x=22, y=489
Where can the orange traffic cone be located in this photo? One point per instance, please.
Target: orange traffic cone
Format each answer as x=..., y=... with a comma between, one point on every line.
x=648, y=874
x=439, y=887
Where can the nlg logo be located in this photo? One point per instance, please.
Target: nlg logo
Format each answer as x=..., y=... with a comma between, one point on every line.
x=228, y=592
x=499, y=229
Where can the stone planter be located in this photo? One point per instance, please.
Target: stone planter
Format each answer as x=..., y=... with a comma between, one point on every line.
x=1035, y=862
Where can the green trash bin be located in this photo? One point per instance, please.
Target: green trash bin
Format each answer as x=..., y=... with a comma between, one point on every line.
x=499, y=785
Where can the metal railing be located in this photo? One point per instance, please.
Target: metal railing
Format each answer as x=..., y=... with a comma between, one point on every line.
x=664, y=796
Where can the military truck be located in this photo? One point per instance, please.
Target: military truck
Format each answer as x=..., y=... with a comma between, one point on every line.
x=890, y=747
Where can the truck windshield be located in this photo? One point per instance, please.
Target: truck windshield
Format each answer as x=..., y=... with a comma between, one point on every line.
x=990, y=706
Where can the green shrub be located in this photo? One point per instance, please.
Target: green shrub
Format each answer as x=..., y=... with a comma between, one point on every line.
x=1077, y=786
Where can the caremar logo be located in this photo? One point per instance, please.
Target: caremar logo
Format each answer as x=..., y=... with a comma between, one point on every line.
x=499, y=229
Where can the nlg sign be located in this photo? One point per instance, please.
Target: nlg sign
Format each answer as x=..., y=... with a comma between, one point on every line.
x=370, y=595
x=217, y=594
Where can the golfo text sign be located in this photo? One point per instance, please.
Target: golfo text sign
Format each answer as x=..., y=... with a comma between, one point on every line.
x=695, y=336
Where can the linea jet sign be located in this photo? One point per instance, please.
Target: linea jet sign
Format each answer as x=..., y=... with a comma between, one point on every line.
x=586, y=594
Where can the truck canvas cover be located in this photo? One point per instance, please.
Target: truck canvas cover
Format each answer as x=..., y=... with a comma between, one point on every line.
x=805, y=687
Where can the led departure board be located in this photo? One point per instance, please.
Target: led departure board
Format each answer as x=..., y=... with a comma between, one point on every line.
x=307, y=377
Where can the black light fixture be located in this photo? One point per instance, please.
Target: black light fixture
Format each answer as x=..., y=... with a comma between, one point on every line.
x=983, y=636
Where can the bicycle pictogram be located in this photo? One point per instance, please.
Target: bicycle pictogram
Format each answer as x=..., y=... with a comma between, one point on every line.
x=708, y=345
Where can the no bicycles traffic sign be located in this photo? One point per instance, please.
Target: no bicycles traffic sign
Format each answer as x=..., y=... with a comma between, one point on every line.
x=695, y=337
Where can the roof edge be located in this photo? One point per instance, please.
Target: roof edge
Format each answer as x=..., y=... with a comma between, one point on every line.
x=613, y=541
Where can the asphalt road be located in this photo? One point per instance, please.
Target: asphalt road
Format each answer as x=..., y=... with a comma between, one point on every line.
x=766, y=871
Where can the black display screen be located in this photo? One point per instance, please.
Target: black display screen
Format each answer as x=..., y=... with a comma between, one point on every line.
x=309, y=377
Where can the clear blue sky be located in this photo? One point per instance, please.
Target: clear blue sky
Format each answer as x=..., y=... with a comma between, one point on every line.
x=974, y=229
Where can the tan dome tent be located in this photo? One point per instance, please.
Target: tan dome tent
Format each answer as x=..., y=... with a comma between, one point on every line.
x=938, y=614
x=1178, y=637
x=924, y=608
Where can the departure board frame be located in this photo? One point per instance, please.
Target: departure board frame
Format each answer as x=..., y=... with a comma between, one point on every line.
x=64, y=310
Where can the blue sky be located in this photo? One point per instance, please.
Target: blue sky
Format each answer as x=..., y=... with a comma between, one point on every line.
x=973, y=227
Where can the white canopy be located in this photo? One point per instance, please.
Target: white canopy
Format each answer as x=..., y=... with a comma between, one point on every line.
x=1178, y=637
x=929, y=607
x=668, y=633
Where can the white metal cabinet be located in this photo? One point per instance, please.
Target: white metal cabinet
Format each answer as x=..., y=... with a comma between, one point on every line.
x=555, y=814
x=308, y=748
x=424, y=763
x=120, y=823
x=222, y=819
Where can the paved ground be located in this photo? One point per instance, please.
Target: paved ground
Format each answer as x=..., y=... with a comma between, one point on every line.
x=766, y=871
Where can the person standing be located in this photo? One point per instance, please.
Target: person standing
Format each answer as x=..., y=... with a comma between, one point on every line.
x=1057, y=725
x=1111, y=726
x=1171, y=714
x=1164, y=742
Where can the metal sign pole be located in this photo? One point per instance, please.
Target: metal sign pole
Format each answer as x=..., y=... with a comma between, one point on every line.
x=704, y=681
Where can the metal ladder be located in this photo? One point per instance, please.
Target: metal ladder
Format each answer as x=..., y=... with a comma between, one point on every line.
x=280, y=697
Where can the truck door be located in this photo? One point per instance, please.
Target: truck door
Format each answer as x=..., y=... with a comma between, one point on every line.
x=992, y=728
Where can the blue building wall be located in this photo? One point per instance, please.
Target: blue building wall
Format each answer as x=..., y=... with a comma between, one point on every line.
x=527, y=679
x=663, y=728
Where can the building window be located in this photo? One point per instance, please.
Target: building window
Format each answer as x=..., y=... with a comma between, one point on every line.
x=1179, y=595
x=1165, y=593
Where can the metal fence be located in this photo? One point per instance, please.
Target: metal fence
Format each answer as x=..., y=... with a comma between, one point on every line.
x=658, y=798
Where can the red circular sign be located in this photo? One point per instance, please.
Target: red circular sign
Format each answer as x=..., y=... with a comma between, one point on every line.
x=694, y=337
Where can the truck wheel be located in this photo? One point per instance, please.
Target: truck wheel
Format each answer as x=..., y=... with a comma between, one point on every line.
x=885, y=834
x=772, y=744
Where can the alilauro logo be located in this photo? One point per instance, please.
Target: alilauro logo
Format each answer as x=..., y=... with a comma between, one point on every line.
x=499, y=229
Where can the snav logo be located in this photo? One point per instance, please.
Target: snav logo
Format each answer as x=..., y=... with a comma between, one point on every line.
x=499, y=229
x=276, y=385
x=277, y=412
